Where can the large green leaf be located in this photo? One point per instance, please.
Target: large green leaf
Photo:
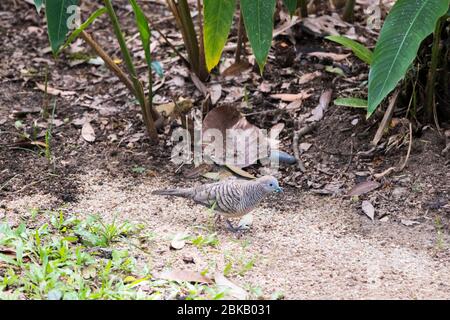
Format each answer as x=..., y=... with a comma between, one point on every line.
x=218, y=18
x=144, y=31
x=84, y=25
x=258, y=20
x=58, y=13
x=291, y=5
x=358, y=49
x=407, y=25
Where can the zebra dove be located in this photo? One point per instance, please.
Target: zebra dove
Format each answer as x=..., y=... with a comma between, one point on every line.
x=230, y=198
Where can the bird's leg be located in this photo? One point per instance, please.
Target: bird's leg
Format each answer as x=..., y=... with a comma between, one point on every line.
x=234, y=229
x=217, y=219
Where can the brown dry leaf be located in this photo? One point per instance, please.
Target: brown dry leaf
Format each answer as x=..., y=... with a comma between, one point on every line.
x=276, y=129
x=199, y=84
x=198, y=171
x=409, y=223
x=87, y=132
x=294, y=105
x=324, y=25
x=319, y=111
x=53, y=91
x=220, y=175
x=184, y=275
x=240, y=172
x=265, y=86
x=329, y=55
x=291, y=97
x=304, y=146
x=236, y=68
x=309, y=77
x=233, y=290
x=368, y=209
x=216, y=92
x=238, y=137
x=166, y=108
x=286, y=26
x=363, y=188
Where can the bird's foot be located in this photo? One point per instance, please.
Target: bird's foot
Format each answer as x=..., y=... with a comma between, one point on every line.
x=237, y=229
x=217, y=219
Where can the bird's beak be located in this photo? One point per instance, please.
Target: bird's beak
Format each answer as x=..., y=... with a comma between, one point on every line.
x=279, y=189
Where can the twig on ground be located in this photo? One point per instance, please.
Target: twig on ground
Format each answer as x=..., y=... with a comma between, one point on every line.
x=386, y=118
x=409, y=149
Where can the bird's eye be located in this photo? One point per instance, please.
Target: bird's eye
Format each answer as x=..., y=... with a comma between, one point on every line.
x=271, y=185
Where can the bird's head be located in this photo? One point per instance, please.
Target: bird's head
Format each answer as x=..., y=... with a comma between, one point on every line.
x=270, y=184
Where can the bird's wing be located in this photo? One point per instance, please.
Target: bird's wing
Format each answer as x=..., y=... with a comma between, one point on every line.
x=224, y=196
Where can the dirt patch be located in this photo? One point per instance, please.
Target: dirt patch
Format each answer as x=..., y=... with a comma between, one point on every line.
x=304, y=246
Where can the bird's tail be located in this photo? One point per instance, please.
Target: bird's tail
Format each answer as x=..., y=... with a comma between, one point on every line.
x=173, y=192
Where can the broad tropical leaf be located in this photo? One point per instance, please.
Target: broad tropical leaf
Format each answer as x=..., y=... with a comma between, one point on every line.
x=407, y=25
x=218, y=18
x=358, y=49
x=258, y=20
x=83, y=26
x=291, y=5
x=59, y=13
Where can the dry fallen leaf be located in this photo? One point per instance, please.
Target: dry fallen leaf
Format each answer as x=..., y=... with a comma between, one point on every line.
x=238, y=138
x=363, y=187
x=290, y=97
x=368, y=209
x=215, y=92
x=233, y=290
x=409, y=223
x=236, y=68
x=324, y=25
x=329, y=55
x=178, y=242
x=309, y=77
x=53, y=91
x=184, y=275
x=87, y=132
x=319, y=111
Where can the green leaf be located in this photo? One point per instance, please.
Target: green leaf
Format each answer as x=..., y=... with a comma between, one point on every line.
x=406, y=26
x=86, y=24
x=38, y=4
x=60, y=14
x=291, y=5
x=358, y=49
x=258, y=20
x=218, y=18
x=351, y=102
x=144, y=30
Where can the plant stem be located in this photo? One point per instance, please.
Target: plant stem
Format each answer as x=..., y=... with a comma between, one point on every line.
x=183, y=17
x=112, y=66
x=108, y=61
x=303, y=5
x=240, y=38
x=429, y=90
x=204, y=74
x=139, y=91
x=349, y=11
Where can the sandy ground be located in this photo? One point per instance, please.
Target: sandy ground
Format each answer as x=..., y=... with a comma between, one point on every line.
x=308, y=247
